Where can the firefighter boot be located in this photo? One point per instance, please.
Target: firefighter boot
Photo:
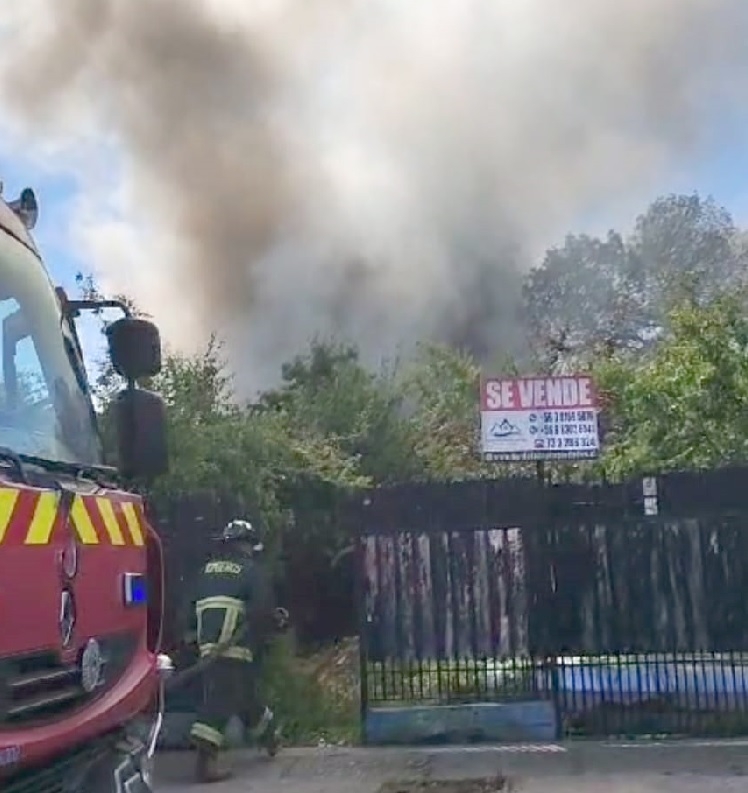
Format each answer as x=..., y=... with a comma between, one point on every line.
x=208, y=768
x=271, y=741
x=268, y=734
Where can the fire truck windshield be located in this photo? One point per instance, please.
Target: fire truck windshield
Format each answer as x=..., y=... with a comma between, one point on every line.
x=45, y=407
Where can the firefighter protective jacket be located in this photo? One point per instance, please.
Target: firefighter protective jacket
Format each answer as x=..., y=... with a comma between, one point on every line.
x=233, y=593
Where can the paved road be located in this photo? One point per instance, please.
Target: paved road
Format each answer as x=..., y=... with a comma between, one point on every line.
x=684, y=767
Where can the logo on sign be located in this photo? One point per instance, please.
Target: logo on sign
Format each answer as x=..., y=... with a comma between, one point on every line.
x=504, y=429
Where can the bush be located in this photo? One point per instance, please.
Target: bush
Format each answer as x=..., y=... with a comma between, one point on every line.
x=309, y=705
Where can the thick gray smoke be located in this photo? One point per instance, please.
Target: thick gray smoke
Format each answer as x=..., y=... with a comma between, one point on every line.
x=379, y=169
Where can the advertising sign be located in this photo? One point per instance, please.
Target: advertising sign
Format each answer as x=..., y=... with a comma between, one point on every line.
x=539, y=418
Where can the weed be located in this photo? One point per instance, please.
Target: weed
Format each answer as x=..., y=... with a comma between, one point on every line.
x=312, y=706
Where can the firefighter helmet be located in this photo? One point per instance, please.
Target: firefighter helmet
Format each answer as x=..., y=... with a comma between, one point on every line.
x=243, y=531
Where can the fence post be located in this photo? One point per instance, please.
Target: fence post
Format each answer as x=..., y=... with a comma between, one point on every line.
x=547, y=515
x=352, y=520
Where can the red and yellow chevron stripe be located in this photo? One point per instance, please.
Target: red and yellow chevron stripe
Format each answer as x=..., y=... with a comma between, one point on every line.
x=29, y=516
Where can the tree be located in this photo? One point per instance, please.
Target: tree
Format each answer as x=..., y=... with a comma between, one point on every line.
x=615, y=294
x=440, y=388
x=685, y=248
x=330, y=393
x=581, y=297
x=684, y=405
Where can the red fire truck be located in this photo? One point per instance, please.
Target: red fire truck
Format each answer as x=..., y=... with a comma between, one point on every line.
x=81, y=592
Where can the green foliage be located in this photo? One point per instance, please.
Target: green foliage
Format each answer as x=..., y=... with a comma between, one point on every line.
x=221, y=446
x=683, y=405
x=310, y=706
x=327, y=392
x=441, y=388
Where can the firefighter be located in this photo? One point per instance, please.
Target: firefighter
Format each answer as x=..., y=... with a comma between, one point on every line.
x=234, y=617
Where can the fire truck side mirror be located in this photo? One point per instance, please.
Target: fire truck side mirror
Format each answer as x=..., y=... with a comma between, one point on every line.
x=140, y=420
x=134, y=348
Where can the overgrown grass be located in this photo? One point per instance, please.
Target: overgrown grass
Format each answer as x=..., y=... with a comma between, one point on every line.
x=312, y=705
x=403, y=683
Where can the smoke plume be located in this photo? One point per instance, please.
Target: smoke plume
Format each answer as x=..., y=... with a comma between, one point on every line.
x=382, y=170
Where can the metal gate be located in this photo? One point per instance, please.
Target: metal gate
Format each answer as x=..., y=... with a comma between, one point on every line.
x=506, y=591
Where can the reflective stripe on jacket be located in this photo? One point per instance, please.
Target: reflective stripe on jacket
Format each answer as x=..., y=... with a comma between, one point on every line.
x=232, y=597
x=219, y=617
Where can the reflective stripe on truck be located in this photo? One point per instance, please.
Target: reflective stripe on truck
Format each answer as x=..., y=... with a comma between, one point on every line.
x=29, y=516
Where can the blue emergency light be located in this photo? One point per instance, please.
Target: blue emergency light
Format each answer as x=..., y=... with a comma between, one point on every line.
x=135, y=589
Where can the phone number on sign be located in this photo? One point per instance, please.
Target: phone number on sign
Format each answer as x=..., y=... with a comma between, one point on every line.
x=569, y=443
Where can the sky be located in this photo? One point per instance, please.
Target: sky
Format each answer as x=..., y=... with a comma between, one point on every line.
x=57, y=195
x=383, y=171
x=722, y=173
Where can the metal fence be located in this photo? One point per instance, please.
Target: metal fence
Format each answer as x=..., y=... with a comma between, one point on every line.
x=502, y=591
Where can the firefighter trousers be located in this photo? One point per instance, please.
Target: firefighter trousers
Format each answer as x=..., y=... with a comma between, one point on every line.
x=230, y=687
